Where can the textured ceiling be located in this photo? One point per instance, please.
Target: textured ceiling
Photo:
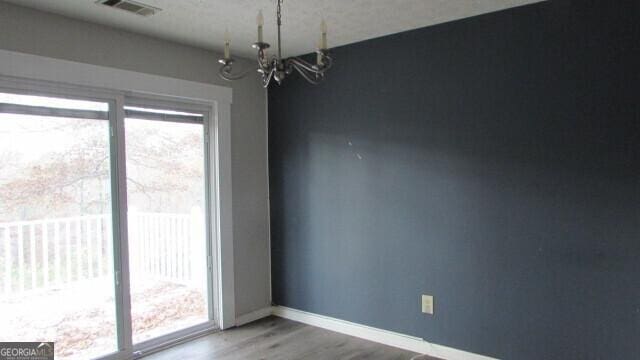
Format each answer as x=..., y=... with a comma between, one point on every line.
x=202, y=22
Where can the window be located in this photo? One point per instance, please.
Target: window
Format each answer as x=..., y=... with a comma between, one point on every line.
x=100, y=203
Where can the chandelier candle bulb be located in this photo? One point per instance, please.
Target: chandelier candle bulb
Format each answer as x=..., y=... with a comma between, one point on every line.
x=227, y=41
x=260, y=21
x=323, y=30
x=319, y=61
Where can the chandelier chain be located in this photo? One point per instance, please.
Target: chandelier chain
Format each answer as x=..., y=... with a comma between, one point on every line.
x=279, y=16
x=279, y=12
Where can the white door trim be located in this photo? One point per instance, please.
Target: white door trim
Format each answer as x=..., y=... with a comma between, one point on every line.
x=76, y=73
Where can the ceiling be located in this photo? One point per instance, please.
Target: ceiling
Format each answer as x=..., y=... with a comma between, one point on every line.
x=202, y=23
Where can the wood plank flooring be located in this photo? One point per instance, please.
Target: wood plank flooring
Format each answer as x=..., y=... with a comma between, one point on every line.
x=279, y=339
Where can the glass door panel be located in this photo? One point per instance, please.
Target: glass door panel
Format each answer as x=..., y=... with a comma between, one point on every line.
x=165, y=164
x=56, y=244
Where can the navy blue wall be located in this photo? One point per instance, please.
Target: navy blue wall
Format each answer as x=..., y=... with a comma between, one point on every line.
x=493, y=162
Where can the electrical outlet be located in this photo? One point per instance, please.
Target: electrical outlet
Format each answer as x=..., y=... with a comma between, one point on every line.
x=427, y=304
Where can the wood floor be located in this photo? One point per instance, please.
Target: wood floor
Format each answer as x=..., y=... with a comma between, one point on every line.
x=277, y=338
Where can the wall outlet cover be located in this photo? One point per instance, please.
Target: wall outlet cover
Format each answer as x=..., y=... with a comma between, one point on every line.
x=427, y=304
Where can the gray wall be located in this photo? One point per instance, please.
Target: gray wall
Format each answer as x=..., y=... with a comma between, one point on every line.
x=493, y=162
x=34, y=32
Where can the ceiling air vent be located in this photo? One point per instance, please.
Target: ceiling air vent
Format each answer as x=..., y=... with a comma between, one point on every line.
x=130, y=6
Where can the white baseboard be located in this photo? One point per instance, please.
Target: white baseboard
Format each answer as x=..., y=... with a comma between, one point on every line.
x=390, y=338
x=253, y=316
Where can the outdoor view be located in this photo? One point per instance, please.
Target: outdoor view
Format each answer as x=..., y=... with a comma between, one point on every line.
x=165, y=173
x=56, y=242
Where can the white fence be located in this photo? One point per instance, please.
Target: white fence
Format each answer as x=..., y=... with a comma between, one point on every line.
x=41, y=254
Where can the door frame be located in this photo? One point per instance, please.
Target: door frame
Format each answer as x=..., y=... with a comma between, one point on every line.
x=41, y=75
x=158, y=343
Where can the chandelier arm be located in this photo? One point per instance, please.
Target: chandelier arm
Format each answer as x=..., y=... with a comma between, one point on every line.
x=263, y=61
x=303, y=64
x=307, y=75
x=312, y=68
x=226, y=74
x=328, y=62
x=266, y=78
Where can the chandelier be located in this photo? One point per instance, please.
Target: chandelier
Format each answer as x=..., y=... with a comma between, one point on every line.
x=276, y=67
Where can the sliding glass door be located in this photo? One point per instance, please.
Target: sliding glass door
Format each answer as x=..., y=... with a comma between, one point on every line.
x=165, y=160
x=56, y=225
x=104, y=233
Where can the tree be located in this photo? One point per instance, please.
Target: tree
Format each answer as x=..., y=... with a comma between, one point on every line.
x=74, y=177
